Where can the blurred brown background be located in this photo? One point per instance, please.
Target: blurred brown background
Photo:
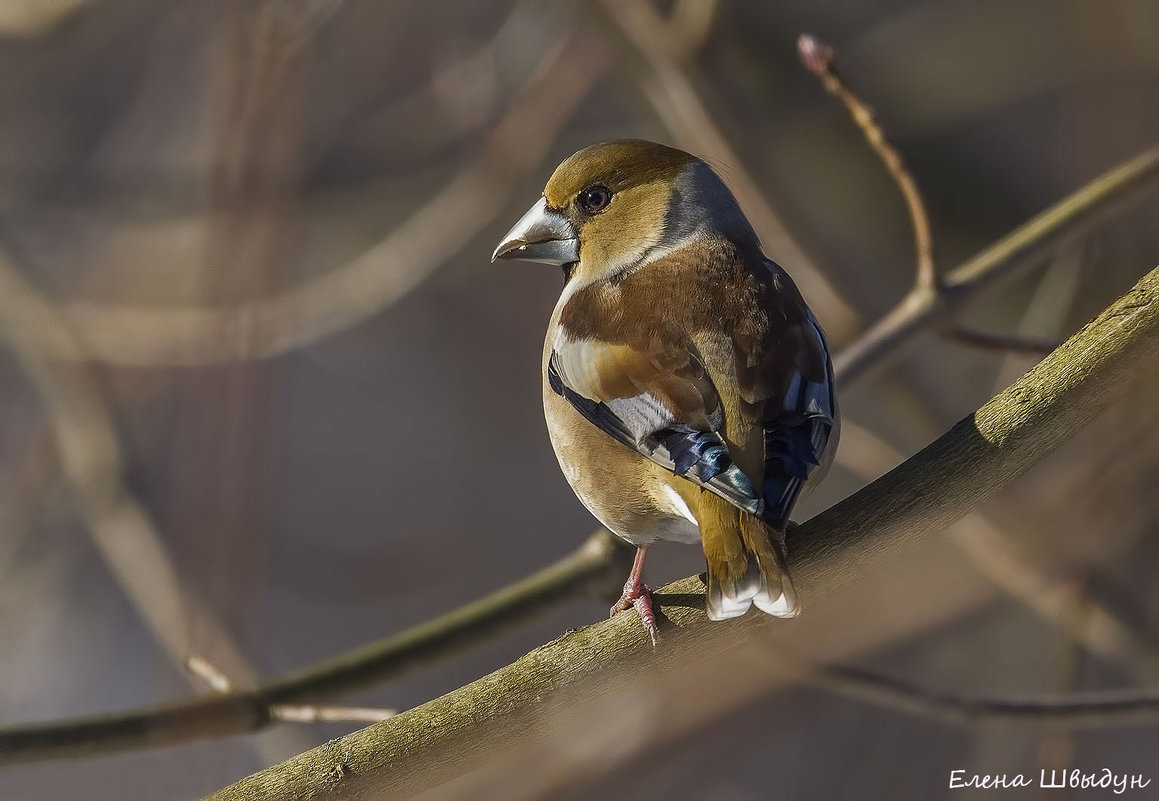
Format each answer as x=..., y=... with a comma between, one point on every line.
x=386, y=459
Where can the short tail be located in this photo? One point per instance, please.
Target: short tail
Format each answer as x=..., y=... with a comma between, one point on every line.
x=744, y=566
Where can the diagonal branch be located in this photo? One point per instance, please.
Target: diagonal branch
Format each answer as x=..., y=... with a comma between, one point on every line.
x=973, y=461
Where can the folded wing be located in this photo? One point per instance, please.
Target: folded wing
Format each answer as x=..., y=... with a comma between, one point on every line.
x=655, y=396
x=663, y=405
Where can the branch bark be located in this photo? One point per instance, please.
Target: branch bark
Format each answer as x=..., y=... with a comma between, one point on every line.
x=974, y=460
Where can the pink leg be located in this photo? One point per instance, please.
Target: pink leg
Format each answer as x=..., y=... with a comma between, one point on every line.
x=637, y=594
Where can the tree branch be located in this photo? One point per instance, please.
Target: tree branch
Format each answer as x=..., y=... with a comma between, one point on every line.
x=976, y=459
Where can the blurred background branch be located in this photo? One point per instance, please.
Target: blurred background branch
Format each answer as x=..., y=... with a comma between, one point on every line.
x=1129, y=708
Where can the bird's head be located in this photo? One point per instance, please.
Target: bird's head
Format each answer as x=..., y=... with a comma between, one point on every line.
x=612, y=205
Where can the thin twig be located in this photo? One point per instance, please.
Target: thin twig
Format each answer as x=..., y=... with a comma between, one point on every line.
x=1122, y=708
x=935, y=299
x=289, y=713
x=818, y=58
x=205, y=670
x=989, y=549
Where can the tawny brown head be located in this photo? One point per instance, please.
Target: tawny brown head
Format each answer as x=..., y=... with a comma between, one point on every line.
x=608, y=206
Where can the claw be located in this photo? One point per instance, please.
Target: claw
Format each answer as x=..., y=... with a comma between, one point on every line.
x=640, y=597
x=643, y=605
x=638, y=594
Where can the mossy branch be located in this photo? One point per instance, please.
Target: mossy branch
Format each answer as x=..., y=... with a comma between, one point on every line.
x=971, y=462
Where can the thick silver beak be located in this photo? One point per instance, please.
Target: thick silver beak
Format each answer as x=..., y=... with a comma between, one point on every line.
x=541, y=235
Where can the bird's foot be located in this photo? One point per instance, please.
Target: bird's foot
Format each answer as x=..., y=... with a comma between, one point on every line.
x=637, y=594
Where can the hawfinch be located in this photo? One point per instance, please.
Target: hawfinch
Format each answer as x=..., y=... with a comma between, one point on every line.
x=687, y=387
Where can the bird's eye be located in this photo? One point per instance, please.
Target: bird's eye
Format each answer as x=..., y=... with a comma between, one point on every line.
x=595, y=198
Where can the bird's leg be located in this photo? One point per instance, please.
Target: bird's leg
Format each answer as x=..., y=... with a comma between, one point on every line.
x=637, y=594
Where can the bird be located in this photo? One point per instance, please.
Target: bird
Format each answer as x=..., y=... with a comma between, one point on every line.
x=687, y=386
